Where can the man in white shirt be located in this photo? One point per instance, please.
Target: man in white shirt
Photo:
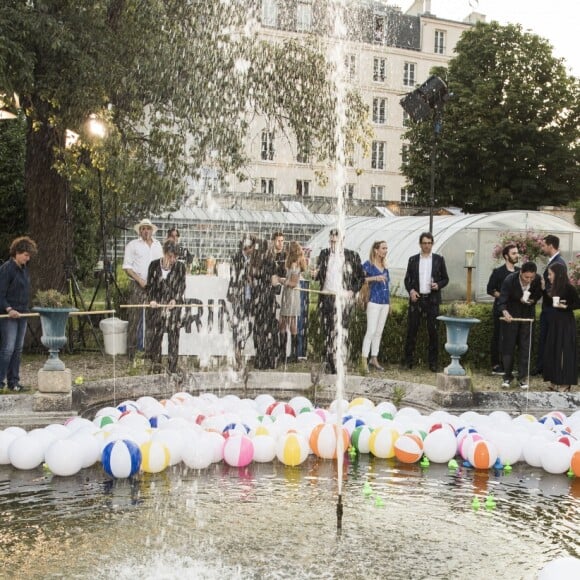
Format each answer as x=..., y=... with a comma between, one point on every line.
x=139, y=253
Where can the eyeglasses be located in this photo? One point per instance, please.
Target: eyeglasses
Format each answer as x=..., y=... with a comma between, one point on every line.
x=428, y=243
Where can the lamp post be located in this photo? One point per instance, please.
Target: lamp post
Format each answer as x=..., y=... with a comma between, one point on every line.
x=424, y=102
x=469, y=266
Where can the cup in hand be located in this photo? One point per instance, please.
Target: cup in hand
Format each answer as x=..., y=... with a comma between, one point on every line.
x=526, y=296
x=555, y=301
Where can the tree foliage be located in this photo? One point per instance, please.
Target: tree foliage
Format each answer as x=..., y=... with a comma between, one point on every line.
x=174, y=82
x=510, y=132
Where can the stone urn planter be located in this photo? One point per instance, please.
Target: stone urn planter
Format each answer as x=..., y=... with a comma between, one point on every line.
x=53, y=308
x=456, y=346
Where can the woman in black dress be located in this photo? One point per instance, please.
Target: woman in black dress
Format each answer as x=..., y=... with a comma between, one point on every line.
x=560, y=355
x=165, y=288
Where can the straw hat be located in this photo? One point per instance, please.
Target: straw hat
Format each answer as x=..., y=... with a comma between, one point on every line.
x=145, y=223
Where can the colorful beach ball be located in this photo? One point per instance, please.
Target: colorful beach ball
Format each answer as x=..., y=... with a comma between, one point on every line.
x=277, y=408
x=575, y=463
x=235, y=429
x=382, y=442
x=440, y=445
x=292, y=449
x=155, y=456
x=323, y=440
x=26, y=452
x=483, y=454
x=64, y=457
x=360, y=438
x=556, y=457
x=121, y=458
x=238, y=450
x=408, y=448
x=264, y=448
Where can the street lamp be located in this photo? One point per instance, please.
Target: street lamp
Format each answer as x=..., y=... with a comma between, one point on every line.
x=97, y=129
x=469, y=266
x=424, y=102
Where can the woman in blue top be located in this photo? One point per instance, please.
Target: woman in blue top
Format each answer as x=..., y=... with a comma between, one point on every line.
x=377, y=276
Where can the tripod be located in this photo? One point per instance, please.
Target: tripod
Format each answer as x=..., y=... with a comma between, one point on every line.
x=107, y=277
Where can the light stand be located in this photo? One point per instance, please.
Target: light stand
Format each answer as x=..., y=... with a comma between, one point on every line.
x=469, y=266
x=424, y=102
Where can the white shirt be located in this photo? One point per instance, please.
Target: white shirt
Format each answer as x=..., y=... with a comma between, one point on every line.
x=425, y=267
x=139, y=254
x=333, y=280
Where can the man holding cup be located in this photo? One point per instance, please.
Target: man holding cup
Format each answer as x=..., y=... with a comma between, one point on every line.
x=519, y=294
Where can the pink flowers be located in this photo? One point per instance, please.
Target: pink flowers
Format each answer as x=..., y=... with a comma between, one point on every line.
x=529, y=244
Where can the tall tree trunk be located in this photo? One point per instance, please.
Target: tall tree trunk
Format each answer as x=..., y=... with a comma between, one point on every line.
x=46, y=196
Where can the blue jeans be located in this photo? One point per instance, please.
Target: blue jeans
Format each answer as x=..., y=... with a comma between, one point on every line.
x=12, y=332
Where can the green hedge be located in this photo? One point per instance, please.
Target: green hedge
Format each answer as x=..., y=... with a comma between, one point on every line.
x=393, y=341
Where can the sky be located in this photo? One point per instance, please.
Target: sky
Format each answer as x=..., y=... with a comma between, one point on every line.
x=556, y=20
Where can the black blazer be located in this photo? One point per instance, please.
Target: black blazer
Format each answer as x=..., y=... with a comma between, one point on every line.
x=353, y=275
x=547, y=299
x=438, y=273
x=510, y=298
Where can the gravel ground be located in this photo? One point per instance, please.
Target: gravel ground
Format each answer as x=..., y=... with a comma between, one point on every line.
x=94, y=365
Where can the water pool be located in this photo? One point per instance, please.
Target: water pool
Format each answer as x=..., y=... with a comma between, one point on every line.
x=273, y=521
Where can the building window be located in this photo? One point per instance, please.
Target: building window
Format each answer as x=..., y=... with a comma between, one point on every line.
x=405, y=154
x=377, y=192
x=304, y=16
x=378, y=155
x=348, y=191
x=406, y=196
x=302, y=188
x=350, y=66
x=379, y=69
x=406, y=119
x=303, y=153
x=268, y=186
x=439, y=42
x=270, y=13
x=379, y=111
x=267, y=145
x=379, y=29
x=409, y=74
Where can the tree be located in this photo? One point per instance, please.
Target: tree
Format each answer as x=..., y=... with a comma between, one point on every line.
x=174, y=82
x=510, y=132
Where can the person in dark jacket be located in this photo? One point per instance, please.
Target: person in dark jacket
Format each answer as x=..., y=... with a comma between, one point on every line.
x=339, y=272
x=520, y=292
x=14, y=301
x=165, y=288
x=511, y=256
x=426, y=276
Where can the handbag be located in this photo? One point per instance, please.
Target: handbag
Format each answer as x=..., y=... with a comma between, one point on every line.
x=363, y=296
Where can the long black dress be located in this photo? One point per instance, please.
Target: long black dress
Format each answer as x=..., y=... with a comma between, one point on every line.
x=560, y=354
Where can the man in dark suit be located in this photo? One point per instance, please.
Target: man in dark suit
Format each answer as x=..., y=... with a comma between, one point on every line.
x=519, y=294
x=239, y=295
x=339, y=272
x=550, y=248
x=426, y=276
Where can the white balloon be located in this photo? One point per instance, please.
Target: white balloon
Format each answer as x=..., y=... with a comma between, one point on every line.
x=64, y=457
x=440, y=445
x=26, y=452
x=560, y=569
x=6, y=438
x=555, y=457
x=264, y=448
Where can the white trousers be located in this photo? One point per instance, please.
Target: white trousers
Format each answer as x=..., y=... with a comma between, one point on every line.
x=376, y=320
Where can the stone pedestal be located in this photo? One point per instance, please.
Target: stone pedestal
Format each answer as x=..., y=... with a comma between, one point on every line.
x=54, y=391
x=453, y=383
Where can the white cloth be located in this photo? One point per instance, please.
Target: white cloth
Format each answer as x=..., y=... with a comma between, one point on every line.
x=333, y=280
x=425, y=268
x=376, y=319
x=139, y=254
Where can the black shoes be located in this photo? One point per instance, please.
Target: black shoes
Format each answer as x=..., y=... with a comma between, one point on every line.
x=497, y=370
x=17, y=388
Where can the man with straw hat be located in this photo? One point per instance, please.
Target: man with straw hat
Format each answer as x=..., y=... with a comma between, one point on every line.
x=139, y=253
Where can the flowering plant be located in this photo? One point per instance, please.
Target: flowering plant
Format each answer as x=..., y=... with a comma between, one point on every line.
x=529, y=244
x=574, y=272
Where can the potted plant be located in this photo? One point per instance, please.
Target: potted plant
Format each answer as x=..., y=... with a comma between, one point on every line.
x=53, y=308
x=458, y=326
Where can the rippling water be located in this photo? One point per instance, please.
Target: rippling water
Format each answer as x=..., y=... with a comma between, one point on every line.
x=272, y=521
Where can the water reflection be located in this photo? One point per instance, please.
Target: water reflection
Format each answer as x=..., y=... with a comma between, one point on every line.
x=269, y=520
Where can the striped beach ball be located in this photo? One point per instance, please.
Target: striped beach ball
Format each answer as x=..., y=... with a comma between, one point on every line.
x=278, y=408
x=575, y=463
x=360, y=438
x=121, y=458
x=483, y=454
x=382, y=442
x=155, y=456
x=408, y=448
x=292, y=449
x=238, y=450
x=323, y=440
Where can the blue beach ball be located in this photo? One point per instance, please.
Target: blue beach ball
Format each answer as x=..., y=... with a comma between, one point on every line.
x=121, y=458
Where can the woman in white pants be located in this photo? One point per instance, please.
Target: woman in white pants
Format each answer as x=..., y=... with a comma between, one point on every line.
x=377, y=276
